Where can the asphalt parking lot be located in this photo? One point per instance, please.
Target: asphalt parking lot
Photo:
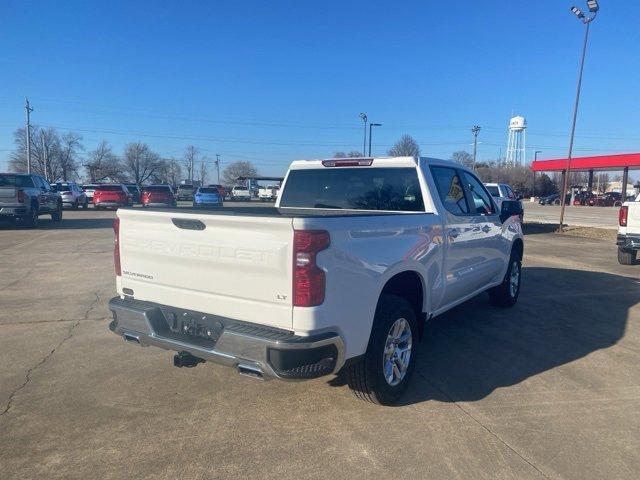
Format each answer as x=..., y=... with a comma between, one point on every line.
x=549, y=389
x=600, y=217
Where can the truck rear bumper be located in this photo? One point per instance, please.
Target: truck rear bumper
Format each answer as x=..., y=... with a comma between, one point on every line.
x=251, y=349
x=628, y=242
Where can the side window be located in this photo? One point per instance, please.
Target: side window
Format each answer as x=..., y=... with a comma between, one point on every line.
x=39, y=183
x=478, y=194
x=450, y=190
x=510, y=193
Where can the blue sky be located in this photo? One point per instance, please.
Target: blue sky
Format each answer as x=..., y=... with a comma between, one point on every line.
x=272, y=81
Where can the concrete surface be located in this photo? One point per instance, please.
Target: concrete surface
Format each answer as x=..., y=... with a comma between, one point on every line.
x=601, y=217
x=548, y=389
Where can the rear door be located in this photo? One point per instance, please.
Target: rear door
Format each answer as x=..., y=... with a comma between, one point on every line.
x=234, y=266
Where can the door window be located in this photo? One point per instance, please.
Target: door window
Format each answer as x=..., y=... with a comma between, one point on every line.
x=478, y=194
x=450, y=190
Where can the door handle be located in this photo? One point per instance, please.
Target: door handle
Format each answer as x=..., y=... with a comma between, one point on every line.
x=453, y=233
x=486, y=228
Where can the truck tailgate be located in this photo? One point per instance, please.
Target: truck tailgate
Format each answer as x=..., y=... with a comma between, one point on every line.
x=236, y=267
x=7, y=194
x=633, y=218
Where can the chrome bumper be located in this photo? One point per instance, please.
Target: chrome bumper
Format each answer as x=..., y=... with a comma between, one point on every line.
x=268, y=352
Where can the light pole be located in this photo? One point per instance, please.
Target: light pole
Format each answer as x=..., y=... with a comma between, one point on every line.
x=475, y=130
x=593, y=7
x=218, y=166
x=371, y=125
x=363, y=116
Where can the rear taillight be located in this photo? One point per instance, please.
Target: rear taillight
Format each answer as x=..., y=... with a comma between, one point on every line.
x=308, y=278
x=622, y=216
x=20, y=196
x=116, y=246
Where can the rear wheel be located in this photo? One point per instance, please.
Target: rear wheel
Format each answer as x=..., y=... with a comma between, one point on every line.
x=31, y=221
x=57, y=215
x=626, y=257
x=506, y=294
x=382, y=375
x=85, y=205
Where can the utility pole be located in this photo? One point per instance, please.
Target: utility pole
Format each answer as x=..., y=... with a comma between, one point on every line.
x=28, y=111
x=218, y=166
x=475, y=130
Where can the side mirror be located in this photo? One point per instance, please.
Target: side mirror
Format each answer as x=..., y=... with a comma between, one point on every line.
x=509, y=209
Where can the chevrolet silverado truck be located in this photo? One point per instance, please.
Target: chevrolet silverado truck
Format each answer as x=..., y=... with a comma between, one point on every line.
x=339, y=277
x=26, y=196
x=628, y=239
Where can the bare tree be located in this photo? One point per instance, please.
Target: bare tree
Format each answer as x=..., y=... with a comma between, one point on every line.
x=203, y=170
x=102, y=163
x=238, y=169
x=190, y=160
x=405, y=147
x=171, y=172
x=141, y=163
x=351, y=154
x=463, y=158
x=70, y=148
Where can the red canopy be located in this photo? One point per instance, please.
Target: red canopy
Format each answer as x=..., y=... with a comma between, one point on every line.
x=601, y=162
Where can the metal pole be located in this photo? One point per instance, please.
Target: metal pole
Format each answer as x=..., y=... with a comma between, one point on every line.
x=563, y=194
x=28, y=110
x=44, y=158
x=475, y=130
x=370, y=127
x=364, y=144
x=218, y=166
x=535, y=159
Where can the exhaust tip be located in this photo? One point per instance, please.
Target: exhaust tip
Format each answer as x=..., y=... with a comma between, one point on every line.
x=250, y=371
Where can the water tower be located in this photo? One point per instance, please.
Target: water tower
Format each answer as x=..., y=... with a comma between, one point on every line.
x=517, y=141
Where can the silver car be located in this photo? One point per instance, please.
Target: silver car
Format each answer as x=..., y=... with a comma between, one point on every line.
x=72, y=195
x=501, y=192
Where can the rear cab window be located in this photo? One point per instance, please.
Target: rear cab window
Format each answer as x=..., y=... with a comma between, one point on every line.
x=18, y=181
x=356, y=188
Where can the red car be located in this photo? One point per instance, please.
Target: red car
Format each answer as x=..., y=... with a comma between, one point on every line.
x=158, y=196
x=112, y=196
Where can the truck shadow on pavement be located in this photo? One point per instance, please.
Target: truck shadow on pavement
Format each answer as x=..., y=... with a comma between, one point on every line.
x=65, y=224
x=561, y=316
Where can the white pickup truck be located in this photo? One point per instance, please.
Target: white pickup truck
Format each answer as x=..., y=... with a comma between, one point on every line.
x=339, y=277
x=628, y=239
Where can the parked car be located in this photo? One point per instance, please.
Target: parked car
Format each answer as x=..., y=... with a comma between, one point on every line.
x=549, y=199
x=71, y=194
x=268, y=193
x=134, y=190
x=501, y=192
x=584, y=199
x=240, y=193
x=24, y=197
x=208, y=197
x=341, y=275
x=88, y=190
x=628, y=239
x=158, y=196
x=112, y=195
x=185, y=192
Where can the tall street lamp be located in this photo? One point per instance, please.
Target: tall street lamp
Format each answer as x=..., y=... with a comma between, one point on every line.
x=363, y=116
x=593, y=7
x=371, y=125
x=535, y=159
x=475, y=130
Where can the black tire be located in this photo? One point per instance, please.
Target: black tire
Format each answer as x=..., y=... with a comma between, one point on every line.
x=504, y=295
x=32, y=220
x=366, y=376
x=626, y=257
x=57, y=215
x=85, y=205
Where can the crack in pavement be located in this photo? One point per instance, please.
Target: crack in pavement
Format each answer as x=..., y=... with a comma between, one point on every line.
x=483, y=426
x=27, y=378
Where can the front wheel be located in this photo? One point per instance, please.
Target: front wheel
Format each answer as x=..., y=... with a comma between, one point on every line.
x=85, y=205
x=626, y=257
x=506, y=294
x=383, y=374
x=32, y=220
